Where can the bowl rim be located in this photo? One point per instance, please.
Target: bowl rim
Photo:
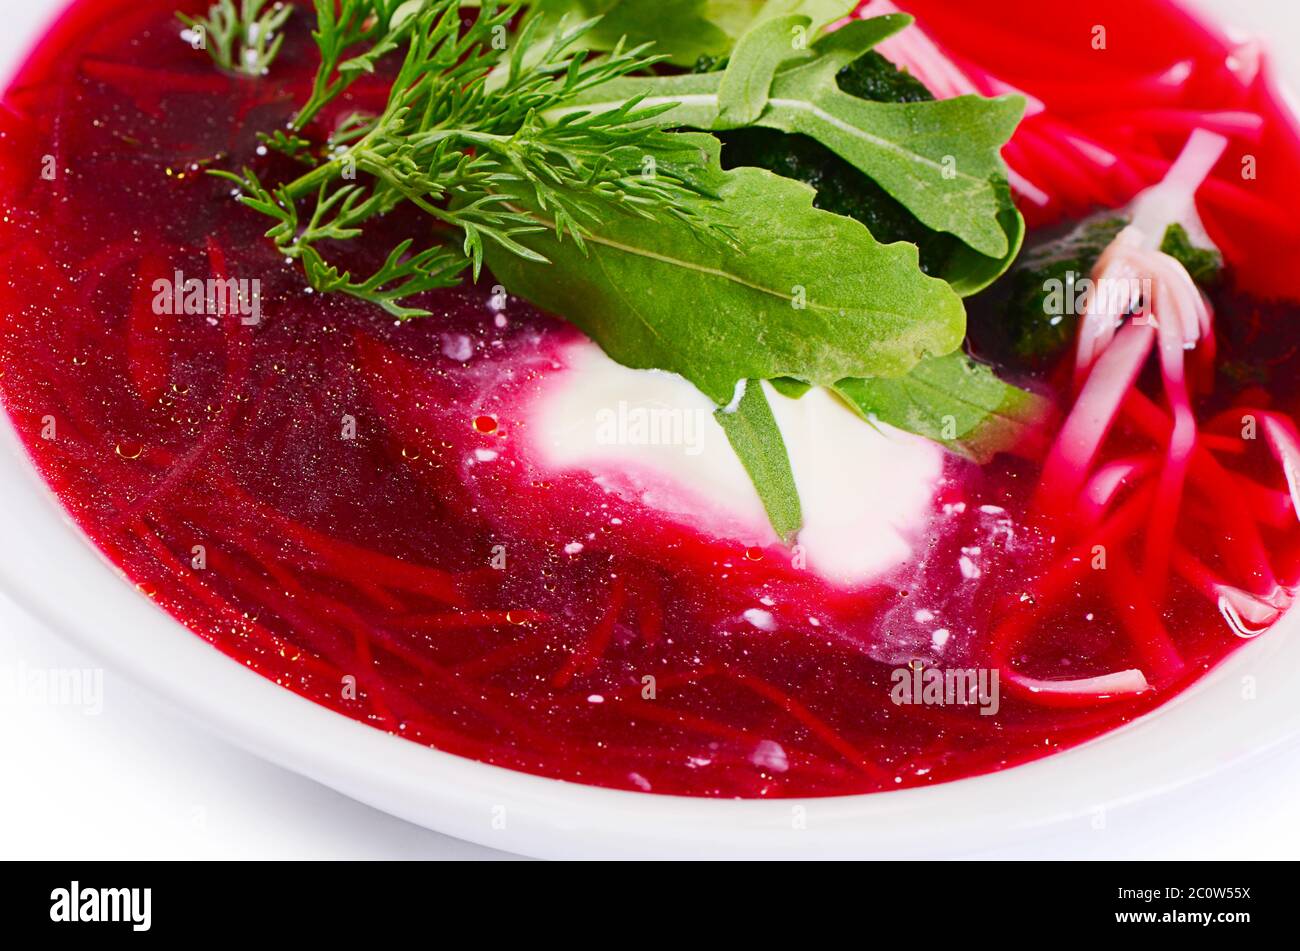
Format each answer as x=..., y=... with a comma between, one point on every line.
x=60, y=577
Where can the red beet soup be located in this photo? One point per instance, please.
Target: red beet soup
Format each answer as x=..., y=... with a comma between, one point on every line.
x=346, y=504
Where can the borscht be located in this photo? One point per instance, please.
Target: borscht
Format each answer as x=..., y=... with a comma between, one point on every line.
x=760, y=399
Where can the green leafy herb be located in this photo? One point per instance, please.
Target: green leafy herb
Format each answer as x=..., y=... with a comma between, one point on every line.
x=746, y=83
x=800, y=292
x=737, y=17
x=686, y=30
x=845, y=190
x=754, y=435
x=289, y=144
x=940, y=159
x=969, y=271
x=244, y=39
x=566, y=171
x=471, y=158
x=680, y=28
x=353, y=36
x=793, y=389
x=955, y=401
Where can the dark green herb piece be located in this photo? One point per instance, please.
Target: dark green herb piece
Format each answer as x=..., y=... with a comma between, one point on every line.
x=794, y=389
x=354, y=35
x=873, y=77
x=955, y=401
x=743, y=91
x=1205, y=265
x=1045, y=286
x=754, y=435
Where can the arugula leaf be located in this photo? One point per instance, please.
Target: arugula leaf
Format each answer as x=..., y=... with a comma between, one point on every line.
x=940, y=159
x=681, y=29
x=845, y=190
x=937, y=158
x=737, y=16
x=754, y=435
x=745, y=86
x=798, y=292
x=686, y=30
x=956, y=402
x=793, y=389
x=969, y=271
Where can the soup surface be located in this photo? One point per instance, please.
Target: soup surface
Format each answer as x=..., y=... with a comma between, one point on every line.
x=359, y=509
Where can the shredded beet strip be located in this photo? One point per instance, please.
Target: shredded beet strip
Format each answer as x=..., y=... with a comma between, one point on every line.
x=630, y=697
x=1044, y=593
x=173, y=564
x=345, y=559
x=361, y=664
x=361, y=631
x=1107, y=367
x=504, y=656
x=1275, y=508
x=1269, y=506
x=1136, y=609
x=1248, y=126
x=493, y=705
x=1247, y=614
x=1080, y=439
x=1242, y=543
x=817, y=726
x=1071, y=168
x=583, y=660
x=462, y=619
x=148, y=360
x=1109, y=480
x=1285, y=443
x=1172, y=316
x=1166, y=88
x=239, y=341
x=323, y=606
x=1231, y=200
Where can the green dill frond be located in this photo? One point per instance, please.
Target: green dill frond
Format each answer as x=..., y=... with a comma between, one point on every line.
x=244, y=39
x=461, y=138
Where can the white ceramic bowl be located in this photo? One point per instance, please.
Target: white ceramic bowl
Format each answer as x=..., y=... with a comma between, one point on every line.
x=1243, y=709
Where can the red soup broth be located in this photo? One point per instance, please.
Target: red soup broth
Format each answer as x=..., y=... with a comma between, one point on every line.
x=309, y=494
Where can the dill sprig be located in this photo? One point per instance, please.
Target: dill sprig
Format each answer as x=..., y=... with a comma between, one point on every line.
x=470, y=152
x=371, y=28
x=244, y=39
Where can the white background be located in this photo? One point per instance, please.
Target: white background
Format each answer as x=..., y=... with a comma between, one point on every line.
x=139, y=781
